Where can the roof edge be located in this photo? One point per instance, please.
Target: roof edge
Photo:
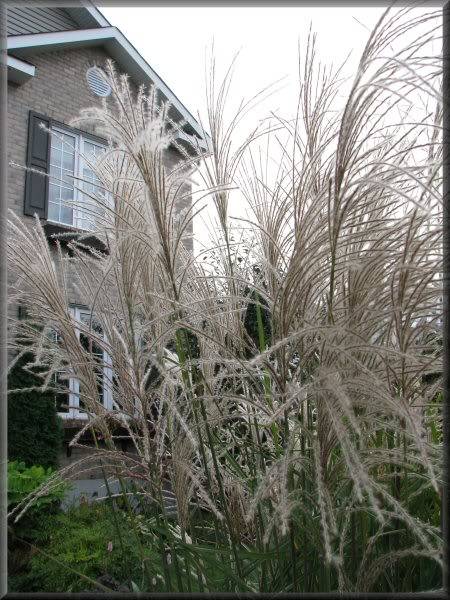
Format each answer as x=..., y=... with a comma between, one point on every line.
x=19, y=71
x=25, y=43
x=91, y=9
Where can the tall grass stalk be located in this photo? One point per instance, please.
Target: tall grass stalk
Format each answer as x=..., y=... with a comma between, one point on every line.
x=285, y=382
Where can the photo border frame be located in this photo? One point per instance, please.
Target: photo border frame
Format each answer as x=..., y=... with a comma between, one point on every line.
x=3, y=294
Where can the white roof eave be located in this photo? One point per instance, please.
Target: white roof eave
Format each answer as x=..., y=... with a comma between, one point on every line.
x=120, y=49
x=19, y=71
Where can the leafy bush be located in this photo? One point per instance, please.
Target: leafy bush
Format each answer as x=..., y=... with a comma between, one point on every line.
x=30, y=527
x=35, y=431
x=85, y=544
x=22, y=481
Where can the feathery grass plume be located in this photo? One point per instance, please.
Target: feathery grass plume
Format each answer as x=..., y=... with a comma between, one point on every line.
x=287, y=380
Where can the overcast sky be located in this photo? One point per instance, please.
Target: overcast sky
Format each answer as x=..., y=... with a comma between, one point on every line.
x=176, y=41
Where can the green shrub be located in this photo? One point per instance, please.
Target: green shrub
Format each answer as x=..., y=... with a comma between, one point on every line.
x=30, y=528
x=35, y=431
x=83, y=541
x=23, y=480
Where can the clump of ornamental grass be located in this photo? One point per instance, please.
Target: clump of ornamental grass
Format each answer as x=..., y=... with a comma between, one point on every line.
x=287, y=393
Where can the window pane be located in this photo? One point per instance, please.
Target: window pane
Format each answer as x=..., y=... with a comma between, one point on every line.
x=60, y=382
x=88, y=174
x=53, y=193
x=67, y=177
x=96, y=351
x=89, y=149
x=56, y=173
x=91, y=207
x=87, y=186
x=68, y=161
x=66, y=194
x=55, y=157
x=61, y=155
x=53, y=211
x=66, y=215
x=69, y=143
x=56, y=141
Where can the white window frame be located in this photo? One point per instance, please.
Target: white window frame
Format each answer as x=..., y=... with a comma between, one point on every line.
x=74, y=411
x=79, y=164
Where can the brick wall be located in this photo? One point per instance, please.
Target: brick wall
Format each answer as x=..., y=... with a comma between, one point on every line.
x=59, y=90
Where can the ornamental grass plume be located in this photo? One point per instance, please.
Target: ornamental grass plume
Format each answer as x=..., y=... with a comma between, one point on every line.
x=289, y=392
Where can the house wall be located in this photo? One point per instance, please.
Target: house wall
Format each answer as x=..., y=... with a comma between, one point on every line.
x=37, y=19
x=59, y=90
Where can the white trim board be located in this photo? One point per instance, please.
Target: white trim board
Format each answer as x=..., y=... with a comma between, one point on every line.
x=19, y=71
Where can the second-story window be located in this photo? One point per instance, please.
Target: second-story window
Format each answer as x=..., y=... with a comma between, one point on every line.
x=75, y=194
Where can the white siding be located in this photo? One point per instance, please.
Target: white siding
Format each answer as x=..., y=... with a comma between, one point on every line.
x=25, y=19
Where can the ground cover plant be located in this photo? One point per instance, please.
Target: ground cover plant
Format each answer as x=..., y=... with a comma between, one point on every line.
x=284, y=384
x=23, y=481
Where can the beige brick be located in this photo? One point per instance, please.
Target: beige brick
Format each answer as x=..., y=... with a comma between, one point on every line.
x=59, y=90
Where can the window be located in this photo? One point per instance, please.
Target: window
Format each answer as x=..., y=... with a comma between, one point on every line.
x=61, y=383
x=71, y=156
x=70, y=405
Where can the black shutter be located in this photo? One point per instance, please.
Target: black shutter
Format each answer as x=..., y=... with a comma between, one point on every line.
x=38, y=157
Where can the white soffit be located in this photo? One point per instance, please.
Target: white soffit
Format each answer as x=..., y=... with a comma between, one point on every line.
x=87, y=14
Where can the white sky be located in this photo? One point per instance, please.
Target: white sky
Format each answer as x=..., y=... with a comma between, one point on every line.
x=176, y=41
